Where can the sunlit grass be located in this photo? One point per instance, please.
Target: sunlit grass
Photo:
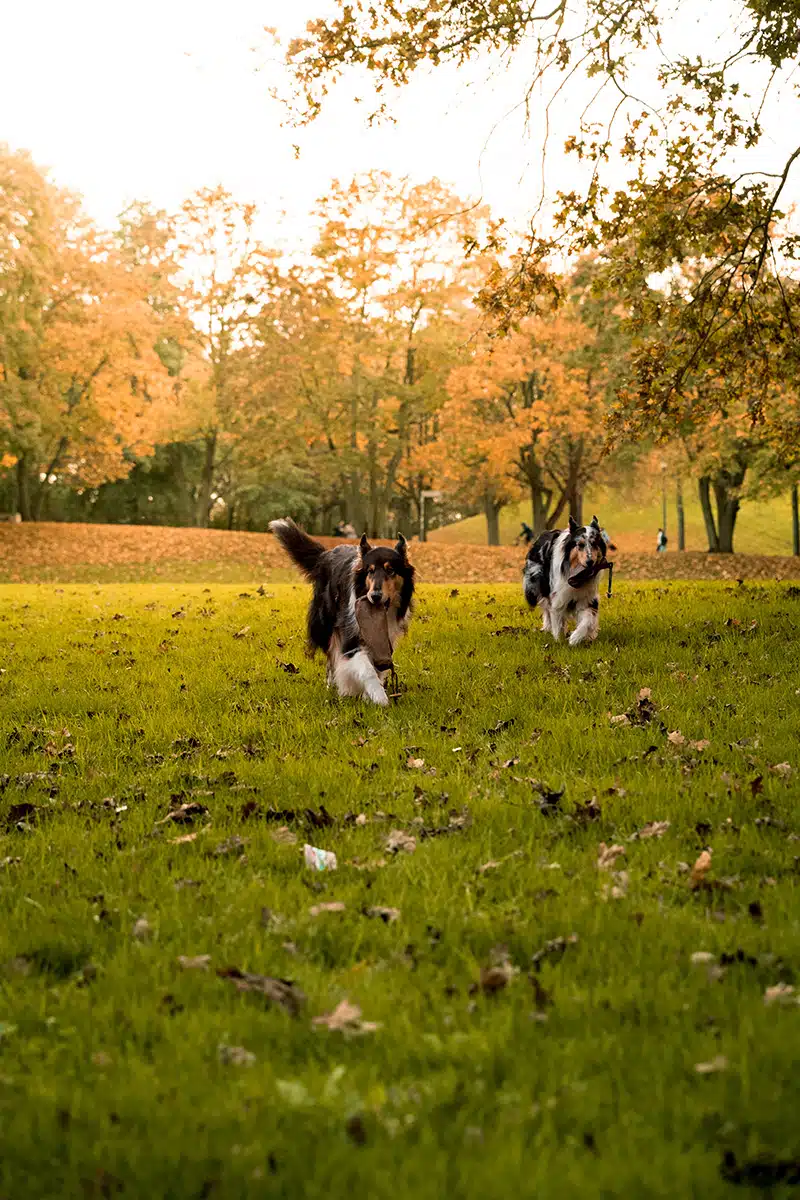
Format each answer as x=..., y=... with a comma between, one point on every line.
x=119, y=703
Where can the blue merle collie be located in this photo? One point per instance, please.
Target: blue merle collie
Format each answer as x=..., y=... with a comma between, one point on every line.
x=560, y=575
x=343, y=576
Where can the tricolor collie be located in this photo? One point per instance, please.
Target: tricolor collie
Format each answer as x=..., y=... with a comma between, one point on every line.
x=380, y=577
x=561, y=576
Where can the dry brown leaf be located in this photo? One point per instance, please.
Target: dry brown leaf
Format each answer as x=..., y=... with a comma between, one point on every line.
x=235, y=1056
x=399, y=840
x=333, y=906
x=185, y=837
x=783, y=769
x=700, y=869
x=185, y=814
x=242, y=633
x=387, y=915
x=703, y=744
x=345, y=1018
x=415, y=764
x=278, y=991
x=608, y=855
x=494, y=863
x=676, y=737
x=655, y=829
x=284, y=836
x=198, y=962
x=781, y=993
x=720, y=1063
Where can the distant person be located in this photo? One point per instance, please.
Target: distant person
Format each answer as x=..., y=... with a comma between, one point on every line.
x=525, y=535
x=661, y=542
x=348, y=530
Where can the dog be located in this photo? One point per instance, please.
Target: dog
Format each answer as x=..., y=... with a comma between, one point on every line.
x=555, y=558
x=380, y=577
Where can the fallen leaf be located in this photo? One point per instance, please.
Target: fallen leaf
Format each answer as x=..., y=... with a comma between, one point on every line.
x=494, y=979
x=493, y=864
x=608, y=855
x=399, y=840
x=185, y=837
x=185, y=814
x=676, y=737
x=415, y=764
x=142, y=929
x=387, y=915
x=284, y=836
x=334, y=906
x=282, y=992
x=703, y=744
x=235, y=1056
x=233, y=845
x=720, y=1063
x=655, y=829
x=781, y=993
x=242, y=633
x=198, y=962
x=783, y=769
x=700, y=869
x=345, y=1018
x=701, y=957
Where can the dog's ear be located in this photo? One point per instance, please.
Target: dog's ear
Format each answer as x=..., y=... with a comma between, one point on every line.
x=574, y=527
x=364, y=545
x=595, y=523
x=400, y=548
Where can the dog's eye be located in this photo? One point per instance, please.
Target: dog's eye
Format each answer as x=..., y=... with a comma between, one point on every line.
x=389, y=572
x=370, y=570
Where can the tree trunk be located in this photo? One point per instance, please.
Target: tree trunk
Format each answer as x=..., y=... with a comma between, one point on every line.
x=492, y=510
x=704, y=488
x=795, y=523
x=203, y=506
x=727, y=511
x=23, y=489
x=681, y=518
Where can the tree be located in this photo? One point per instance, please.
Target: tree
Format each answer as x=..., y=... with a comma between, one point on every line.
x=227, y=274
x=82, y=388
x=541, y=393
x=354, y=343
x=676, y=121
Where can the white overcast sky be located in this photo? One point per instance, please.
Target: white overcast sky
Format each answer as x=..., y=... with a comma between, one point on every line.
x=152, y=100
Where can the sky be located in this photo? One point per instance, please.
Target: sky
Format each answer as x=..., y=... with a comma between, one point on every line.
x=152, y=100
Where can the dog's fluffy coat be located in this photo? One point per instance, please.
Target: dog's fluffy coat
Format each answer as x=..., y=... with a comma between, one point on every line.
x=551, y=560
x=342, y=576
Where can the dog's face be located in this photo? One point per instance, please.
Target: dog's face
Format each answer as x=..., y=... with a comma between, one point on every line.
x=587, y=545
x=384, y=575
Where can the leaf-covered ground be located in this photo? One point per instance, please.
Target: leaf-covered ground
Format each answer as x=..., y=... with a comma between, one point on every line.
x=59, y=553
x=560, y=954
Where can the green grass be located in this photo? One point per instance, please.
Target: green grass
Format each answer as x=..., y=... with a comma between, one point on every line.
x=763, y=527
x=117, y=703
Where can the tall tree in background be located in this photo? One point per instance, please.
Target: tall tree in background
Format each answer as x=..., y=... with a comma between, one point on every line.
x=226, y=274
x=81, y=384
x=686, y=124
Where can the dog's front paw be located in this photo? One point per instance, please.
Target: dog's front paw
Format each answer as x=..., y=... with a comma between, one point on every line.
x=576, y=638
x=377, y=695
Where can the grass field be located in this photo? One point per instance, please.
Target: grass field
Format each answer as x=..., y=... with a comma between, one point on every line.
x=763, y=527
x=531, y=1022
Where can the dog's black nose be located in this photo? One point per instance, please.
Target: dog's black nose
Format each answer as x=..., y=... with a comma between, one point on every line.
x=376, y=598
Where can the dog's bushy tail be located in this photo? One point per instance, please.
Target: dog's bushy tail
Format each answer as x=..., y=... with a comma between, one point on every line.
x=298, y=545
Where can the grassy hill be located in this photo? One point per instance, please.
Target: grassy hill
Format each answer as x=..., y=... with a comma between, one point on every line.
x=762, y=528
